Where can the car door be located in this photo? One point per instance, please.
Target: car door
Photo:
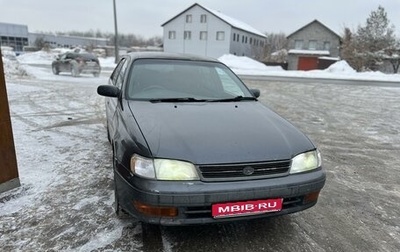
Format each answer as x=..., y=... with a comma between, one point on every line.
x=116, y=79
x=65, y=62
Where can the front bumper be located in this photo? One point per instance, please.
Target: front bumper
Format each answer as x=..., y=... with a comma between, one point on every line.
x=194, y=199
x=89, y=68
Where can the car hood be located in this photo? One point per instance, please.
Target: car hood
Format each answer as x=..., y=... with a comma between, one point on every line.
x=211, y=133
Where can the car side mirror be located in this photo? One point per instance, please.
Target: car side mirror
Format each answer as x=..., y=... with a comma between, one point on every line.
x=255, y=92
x=108, y=91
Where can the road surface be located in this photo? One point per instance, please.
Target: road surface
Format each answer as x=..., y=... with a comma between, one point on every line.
x=65, y=201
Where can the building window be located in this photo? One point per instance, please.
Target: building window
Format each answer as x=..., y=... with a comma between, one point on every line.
x=327, y=45
x=234, y=37
x=172, y=35
x=312, y=45
x=220, y=35
x=188, y=18
x=187, y=35
x=251, y=41
x=203, y=18
x=298, y=44
x=203, y=35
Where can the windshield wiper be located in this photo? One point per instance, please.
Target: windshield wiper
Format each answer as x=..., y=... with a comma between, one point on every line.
x=183, y=99
x=237, y=98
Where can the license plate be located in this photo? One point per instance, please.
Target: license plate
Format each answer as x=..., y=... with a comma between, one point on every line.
x=233, y=209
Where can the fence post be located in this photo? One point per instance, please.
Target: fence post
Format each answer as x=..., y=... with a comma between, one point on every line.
x=8, y=161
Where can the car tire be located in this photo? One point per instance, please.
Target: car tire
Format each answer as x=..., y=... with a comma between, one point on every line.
x=152, y=237
x=108, y=134
x=117, y=207
x=55, y=70
x=74, y=71
x=119, y=212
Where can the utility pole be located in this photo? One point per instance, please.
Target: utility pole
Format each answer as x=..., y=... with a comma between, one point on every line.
x=8, y=161
x=116, y=34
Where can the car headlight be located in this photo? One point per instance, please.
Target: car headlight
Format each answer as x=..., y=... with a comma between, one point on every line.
x=306, y=161
x=163, y=169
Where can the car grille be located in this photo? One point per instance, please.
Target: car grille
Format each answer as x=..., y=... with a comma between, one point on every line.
x=233, y=172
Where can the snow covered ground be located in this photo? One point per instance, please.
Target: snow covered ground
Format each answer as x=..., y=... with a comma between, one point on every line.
x=339, y=70
x=65, y=201
x=241, y=66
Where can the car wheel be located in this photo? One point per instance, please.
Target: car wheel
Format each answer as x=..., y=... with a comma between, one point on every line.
x=117, y=207
x=152, y=237
x=121, y=213
x=108, y=134
x=55, y=70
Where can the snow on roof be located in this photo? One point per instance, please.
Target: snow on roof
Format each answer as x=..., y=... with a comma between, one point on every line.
x=234, y=22
x=329, y=58
x=309, y=52
x=229, y=20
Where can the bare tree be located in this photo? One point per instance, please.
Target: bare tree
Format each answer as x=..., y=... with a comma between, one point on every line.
x=275, y=48
x=41, y=44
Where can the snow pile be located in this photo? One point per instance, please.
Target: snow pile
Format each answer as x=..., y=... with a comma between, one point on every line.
x=39, y=57
x=245, y=65
x=339, y=70
x=12, y=69
x=8, y=52
x=340, y=67
x=240, y=65
x=46, y=58
x=107, y=62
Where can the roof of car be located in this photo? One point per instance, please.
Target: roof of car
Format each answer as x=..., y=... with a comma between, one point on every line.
x=164, y=55
x=84, y=55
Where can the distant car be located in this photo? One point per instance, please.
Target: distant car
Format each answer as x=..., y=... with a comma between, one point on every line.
x=193, y=145
x=76, y=63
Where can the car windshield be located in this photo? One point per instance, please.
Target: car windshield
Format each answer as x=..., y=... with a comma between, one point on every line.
x=162, y=80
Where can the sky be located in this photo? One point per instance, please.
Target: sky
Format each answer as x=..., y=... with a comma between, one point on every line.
x=145, y=17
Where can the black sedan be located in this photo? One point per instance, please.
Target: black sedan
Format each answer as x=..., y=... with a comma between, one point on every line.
x=76, y=64
x=192, y=145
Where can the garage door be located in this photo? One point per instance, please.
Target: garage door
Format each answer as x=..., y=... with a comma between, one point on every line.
x=307, y=63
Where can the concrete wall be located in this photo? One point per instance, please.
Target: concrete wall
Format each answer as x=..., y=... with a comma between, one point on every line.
x=66, y=41
x=317, y=32
x=210, y=47
x=246, y=44
x=14, y=35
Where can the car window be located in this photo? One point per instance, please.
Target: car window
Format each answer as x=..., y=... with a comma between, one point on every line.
x=159, y=79
x=228, y=84
x=115, y=73
x=121, y=74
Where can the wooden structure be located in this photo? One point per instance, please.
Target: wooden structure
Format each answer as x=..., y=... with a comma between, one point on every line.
x=8, y=161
